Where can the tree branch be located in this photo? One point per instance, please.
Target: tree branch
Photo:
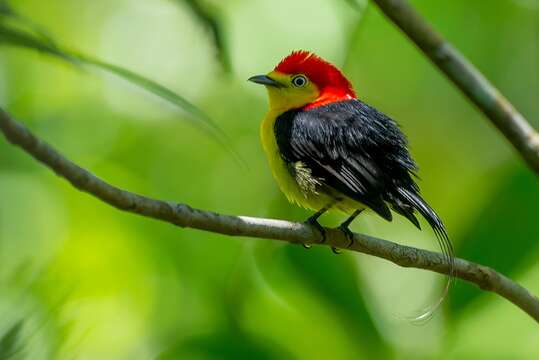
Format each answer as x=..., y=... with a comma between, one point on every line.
x=185, y=216
x=467, y=78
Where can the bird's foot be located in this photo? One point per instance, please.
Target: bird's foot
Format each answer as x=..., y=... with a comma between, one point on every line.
x=348, y=234
x=312, y=221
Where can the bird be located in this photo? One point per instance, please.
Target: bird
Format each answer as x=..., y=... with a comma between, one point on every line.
x=329, y=150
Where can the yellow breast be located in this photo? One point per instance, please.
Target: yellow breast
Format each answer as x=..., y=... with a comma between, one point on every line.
x=288, y=184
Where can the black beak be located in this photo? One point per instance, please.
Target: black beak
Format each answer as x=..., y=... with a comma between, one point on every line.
x=264, y=80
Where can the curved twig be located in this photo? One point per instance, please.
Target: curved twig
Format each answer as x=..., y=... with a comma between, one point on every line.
x=185, y=216
x=468, y=79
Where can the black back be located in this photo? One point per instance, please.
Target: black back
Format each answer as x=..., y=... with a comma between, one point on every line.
x=355, y=149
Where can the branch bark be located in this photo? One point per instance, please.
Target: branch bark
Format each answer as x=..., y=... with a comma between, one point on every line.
x=467, y=78
x=185, y=216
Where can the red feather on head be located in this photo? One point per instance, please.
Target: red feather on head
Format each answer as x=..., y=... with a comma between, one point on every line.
x=331, y=83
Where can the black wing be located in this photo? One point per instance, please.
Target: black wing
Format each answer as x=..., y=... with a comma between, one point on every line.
x=363, y=154
x=355, y=149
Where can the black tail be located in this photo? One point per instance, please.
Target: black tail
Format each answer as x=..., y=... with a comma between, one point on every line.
x=414, y=200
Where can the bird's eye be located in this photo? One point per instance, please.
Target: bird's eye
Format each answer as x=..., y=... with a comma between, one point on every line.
x=299, y=81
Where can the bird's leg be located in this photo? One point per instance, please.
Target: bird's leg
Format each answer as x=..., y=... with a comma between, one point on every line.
x=344, y=227
x=313, y=221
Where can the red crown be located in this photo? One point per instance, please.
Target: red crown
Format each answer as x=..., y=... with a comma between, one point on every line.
x=323, y=74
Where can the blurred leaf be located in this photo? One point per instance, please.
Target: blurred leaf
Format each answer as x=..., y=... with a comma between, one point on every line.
x=358, y=5
x=230, y=344
x=5, y=10
x=165, y=93
x=210, y=21
x=9, y=14
x=354, y=35
x=10, y=343
x=334, y=279
x=12, y=36
x=504, y=235
x=15, y=37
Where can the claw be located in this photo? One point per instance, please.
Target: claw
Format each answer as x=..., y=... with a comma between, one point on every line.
x=335, y=250
x=314, y=223
x=306, y=246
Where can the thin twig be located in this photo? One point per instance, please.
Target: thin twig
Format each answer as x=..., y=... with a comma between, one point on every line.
x=185, y=216
x=468, y=79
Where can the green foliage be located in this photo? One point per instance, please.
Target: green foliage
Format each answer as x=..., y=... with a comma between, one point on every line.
x=101, y=284
x=213, y=24
x=358, y=5
x=497, y=237
x=44, y=43
x=229, y=344
x=14, y=37
x=335, y=280
x=10, y=342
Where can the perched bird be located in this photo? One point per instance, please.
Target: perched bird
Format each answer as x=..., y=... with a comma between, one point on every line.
x=329, y=150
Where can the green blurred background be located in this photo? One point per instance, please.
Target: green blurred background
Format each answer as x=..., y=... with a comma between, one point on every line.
x=81, y=280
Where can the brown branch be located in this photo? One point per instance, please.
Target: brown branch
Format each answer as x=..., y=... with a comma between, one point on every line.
x=184, y=216
x=467, y=78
